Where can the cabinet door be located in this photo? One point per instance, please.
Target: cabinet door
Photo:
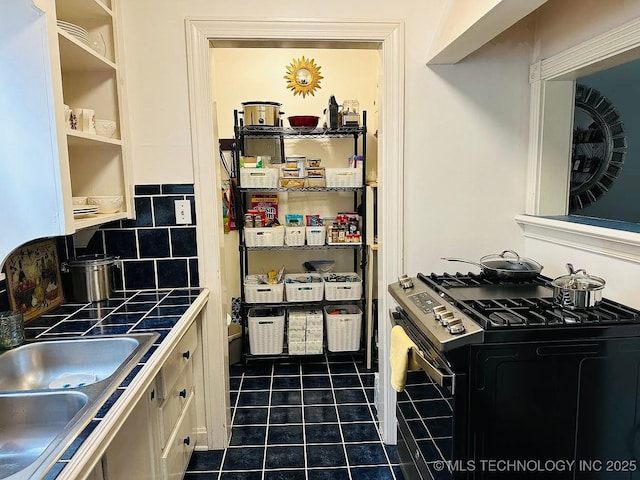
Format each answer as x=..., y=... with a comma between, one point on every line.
x=133, y=452
x=30, y=171
x=176, y=455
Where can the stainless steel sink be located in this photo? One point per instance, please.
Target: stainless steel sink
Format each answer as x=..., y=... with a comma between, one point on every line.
x=41, y=416
x=30, y=422
x=44, y=365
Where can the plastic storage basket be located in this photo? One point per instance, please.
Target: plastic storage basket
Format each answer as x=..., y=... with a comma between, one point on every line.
x=266, y=331
x=342, y=290
x=344, y=177
x=255, y=292
x=316, y=235
x=259, y=177
x=310, y=291
x=294, y=236
x=264, y=236
x=344, y=323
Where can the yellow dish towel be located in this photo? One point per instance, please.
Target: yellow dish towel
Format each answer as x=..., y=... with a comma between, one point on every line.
x=399, y=357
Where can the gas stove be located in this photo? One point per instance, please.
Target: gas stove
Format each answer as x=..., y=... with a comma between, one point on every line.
x=502, y=366
x=458, y=309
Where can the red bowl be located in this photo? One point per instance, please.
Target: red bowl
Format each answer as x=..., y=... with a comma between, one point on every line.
x=303, y=122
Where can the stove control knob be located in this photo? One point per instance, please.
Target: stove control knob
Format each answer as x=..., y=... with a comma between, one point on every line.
x=405, y=282
x=438, y=311
x=445, y=318
x=455, y=327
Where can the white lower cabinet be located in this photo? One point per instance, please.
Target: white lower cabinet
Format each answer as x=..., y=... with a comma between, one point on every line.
x=132, y=453
x=178, y=449
x=159, y=436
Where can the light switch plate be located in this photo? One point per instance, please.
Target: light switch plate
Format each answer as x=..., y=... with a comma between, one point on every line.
x=183, y=212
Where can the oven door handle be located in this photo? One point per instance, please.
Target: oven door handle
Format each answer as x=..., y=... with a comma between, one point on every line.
x=446, y=380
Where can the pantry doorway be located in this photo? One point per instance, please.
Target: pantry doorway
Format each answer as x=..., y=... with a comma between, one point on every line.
x=388, y=36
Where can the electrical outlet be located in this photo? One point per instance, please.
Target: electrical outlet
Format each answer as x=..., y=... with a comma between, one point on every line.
x=183, y=212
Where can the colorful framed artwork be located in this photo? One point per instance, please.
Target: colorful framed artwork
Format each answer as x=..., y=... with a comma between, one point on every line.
x=33, y=278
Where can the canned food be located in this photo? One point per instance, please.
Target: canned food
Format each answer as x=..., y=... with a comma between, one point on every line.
x=248, y=220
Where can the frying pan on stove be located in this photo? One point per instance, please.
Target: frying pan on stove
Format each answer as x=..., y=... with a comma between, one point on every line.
x=507, y=266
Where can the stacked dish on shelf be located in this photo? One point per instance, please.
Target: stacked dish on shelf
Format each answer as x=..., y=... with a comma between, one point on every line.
x=75, y=31
x=84, y=210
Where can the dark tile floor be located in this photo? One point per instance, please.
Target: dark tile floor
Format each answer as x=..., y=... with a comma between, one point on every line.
x=301, y=420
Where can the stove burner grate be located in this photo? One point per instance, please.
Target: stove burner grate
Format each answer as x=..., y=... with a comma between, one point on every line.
x=543, y=312
x=470, y=279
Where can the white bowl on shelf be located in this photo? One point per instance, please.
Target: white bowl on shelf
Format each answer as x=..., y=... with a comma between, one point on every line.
x=105, y=128
x=79, y=200
x=106, y=203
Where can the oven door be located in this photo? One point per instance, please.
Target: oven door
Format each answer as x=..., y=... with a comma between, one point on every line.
x=426, y=412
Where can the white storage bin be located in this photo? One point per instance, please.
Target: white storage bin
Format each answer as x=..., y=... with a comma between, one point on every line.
x=316, y=235
x=351, y=290
x=343, y=328
x=294, y=236
x=262, y=293
x=344, y=177
x=312, y=291
x=264, y=236
x=259, y=177
x=266, y=331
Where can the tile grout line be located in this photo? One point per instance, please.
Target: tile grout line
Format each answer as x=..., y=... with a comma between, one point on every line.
x=335, y=404
x=373, y=417
x=304, y=425
x=266, y=432
x=235, y=409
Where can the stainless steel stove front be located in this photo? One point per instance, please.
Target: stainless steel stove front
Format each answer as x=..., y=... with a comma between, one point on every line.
x=444, y=325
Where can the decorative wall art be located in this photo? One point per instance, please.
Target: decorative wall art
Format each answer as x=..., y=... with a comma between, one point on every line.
x=33, y=278
x=303, y=76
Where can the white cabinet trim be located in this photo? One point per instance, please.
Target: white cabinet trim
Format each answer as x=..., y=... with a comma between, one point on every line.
x=603, y=241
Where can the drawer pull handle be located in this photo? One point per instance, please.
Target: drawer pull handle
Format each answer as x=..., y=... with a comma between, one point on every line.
x=183, y=393
x=186, y=354
x=187, y=441
x=153, y=394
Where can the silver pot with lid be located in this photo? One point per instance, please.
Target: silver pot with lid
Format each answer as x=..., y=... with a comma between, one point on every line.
x=92, y=277
x=578, y=290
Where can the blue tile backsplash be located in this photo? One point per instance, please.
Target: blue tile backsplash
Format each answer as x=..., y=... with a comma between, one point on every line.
x=155, y=251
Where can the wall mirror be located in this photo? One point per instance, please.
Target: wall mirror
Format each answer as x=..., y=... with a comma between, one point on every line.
x=303, y=76
x=598, y=147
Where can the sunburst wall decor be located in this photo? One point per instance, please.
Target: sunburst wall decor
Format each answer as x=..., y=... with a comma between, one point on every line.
x=303, y=76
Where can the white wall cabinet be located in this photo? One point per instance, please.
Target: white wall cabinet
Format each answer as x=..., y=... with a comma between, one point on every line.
x=84, y=77
x=76, y=163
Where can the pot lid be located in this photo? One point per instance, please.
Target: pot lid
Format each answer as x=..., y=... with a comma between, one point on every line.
x=258, y=102
x=92, y=260
x=579, y=280
x=510, y=261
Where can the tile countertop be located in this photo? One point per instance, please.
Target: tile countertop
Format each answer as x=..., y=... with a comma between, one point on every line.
x=168, y=312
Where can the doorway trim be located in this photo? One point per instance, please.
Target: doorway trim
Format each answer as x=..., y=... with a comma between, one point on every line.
x=389, y=35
